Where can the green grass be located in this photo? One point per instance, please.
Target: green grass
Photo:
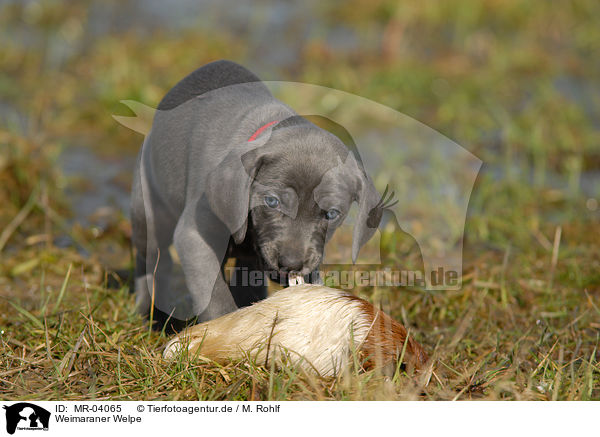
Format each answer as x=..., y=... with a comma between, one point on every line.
x=524, y=326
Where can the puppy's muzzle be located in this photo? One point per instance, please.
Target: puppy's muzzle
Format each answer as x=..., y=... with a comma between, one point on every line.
x=290, y=262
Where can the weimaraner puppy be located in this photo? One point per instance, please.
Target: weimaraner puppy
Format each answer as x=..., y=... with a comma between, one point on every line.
x=229, y=171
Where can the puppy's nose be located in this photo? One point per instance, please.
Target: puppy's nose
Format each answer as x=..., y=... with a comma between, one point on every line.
x=291, y=262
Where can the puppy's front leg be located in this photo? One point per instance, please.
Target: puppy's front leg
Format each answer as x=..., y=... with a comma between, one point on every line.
x=221, y=301
x=201, y=240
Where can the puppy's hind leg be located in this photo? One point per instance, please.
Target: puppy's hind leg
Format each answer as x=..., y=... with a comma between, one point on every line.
x=152, y=234
x=139, y=236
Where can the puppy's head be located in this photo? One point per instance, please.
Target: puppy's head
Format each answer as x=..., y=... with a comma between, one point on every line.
x=303, y=188
x=299, y=188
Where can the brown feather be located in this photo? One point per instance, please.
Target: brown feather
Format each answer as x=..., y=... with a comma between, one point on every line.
x=384, y=342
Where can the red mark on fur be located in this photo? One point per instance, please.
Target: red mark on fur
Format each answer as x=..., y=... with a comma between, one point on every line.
x=260, y=129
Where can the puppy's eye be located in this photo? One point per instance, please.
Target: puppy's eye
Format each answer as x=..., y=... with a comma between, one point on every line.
x=271, y=202
x=332, y=214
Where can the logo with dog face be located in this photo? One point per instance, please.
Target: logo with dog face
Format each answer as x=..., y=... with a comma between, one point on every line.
x=24, y=416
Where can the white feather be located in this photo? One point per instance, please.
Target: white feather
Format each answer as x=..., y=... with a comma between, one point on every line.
x=312, y=326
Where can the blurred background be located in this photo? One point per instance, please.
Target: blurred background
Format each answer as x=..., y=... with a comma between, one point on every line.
x=515, y=82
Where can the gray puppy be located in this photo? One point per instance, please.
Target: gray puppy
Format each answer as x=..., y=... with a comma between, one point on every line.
x=229, y=171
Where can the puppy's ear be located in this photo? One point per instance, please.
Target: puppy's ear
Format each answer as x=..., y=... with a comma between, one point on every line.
x=370, y=210
x=228, y=188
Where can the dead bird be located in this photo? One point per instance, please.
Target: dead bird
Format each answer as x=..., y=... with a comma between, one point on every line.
x=313, y=326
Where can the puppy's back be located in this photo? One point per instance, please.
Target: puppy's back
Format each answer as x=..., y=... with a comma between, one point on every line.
x=207, y=78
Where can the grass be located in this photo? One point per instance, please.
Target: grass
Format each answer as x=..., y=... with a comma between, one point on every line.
x=524, y=326
x=68, y=337
x=98, y=348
